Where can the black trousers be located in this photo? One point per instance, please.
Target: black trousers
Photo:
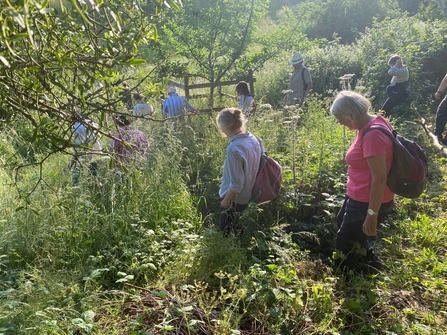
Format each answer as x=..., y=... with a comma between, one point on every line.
x=351, y=240
x=441, y=118
x=397, y=94
x=229, y=218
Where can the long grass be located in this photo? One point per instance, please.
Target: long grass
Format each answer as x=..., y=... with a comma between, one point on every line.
x=137, y=251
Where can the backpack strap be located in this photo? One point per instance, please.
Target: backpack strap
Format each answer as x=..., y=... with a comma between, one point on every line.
x=264, y=155
x=391, y=134
x=302, y=77
x=260, y=144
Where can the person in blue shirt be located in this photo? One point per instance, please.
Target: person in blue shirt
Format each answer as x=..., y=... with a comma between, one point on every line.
x=241, y=166
x=175, y=105
x=87, y=144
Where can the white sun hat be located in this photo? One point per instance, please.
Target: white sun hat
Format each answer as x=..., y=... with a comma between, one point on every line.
x=297, y=58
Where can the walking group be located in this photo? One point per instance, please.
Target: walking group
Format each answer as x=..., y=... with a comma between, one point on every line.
x=369, y=158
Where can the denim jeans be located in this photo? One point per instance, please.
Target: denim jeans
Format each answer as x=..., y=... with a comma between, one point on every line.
x=351, y=240
x=229, y=218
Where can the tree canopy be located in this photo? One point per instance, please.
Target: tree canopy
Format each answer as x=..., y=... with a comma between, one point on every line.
x=52, y=54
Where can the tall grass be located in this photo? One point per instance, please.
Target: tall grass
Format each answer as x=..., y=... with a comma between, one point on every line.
x=68, y=251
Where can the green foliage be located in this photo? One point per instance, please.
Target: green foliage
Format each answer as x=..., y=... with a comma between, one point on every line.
x=332, y=61
x=426, y=10
x=345, y=19
x=54, y=55
x=214, y=34
x=110, y=238
x=135, y=250
x=223, y=40
x=421, y=46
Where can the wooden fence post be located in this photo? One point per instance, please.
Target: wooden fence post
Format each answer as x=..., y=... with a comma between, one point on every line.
x=186, y=83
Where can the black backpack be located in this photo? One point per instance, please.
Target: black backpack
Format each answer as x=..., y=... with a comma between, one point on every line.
x=408, y=175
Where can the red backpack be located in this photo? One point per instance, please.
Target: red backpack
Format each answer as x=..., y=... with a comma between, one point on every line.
x=408, y=175
x=268, y=179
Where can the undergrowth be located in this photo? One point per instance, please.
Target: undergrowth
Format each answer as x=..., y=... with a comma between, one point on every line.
x=137, y=250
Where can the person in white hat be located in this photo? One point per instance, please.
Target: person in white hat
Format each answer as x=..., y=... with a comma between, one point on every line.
x=175, y=105
x=300, y=82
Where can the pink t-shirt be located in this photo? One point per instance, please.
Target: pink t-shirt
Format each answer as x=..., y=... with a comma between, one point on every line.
x=374, y=143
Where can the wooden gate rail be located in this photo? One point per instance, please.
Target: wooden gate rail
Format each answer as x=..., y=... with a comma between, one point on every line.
x=187, y=88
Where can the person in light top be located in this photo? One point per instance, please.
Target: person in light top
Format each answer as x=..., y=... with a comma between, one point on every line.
x=141, y=108
x=241, y=165
x=300, y=82
x=87, y=148
x=397, y=89
x=246, y=99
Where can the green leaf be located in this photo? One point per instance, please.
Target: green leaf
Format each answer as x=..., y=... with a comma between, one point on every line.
x=185, y=309
x=34, y=68
x=58, y=56
x=18, y=36
x=88, y=315
x=17, y=17
x=46, y=10
x=7, y=292
x=136, y=61
x=161, y=294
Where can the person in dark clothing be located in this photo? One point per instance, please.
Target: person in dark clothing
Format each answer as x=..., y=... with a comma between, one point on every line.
x=397, y=89
x=441, y=112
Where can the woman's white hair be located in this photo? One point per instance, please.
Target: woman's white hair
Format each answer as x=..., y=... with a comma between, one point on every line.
x=349, y=102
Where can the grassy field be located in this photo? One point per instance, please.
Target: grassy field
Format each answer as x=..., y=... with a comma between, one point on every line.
x=137, y=250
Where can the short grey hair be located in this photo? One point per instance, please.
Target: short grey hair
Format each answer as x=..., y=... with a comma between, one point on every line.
x=349, y=102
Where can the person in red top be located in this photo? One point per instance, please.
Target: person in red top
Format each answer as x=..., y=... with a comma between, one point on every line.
x=368, y=199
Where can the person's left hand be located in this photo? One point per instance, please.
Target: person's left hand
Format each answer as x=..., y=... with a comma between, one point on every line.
x=370, y=225
x=225, y=203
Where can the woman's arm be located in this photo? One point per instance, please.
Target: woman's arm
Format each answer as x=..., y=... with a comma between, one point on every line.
x=394, y=71
x=226, y=201
x=442, y=87
x=377, y=167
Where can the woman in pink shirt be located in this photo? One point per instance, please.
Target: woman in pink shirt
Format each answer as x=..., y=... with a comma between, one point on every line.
x=368, y=199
